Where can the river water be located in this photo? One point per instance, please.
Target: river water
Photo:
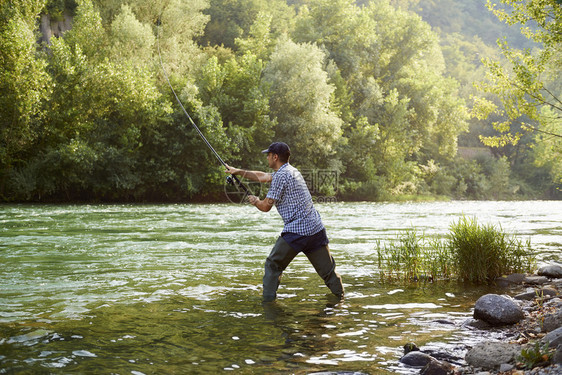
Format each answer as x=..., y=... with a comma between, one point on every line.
x=145, y=289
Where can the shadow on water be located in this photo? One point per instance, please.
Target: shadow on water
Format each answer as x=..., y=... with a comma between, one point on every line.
x=300, y=333
x=176, y=335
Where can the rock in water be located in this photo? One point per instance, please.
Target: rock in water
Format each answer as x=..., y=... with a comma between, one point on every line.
x=557, y=357
x=497, y=310
x=416, y=359
x=410, y=347
x=536, y=294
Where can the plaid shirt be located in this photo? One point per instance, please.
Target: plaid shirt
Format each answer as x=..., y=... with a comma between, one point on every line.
x=294, y=202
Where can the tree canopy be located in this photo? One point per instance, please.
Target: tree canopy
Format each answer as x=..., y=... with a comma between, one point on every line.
x=377, y=92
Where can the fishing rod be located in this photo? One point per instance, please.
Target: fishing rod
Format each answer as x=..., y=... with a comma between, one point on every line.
x=230, y=179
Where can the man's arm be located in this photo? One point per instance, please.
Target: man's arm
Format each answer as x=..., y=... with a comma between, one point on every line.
x=262, y=205
x=251, y=175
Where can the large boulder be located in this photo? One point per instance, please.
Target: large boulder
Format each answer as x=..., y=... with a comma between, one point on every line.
x=553, y=271
x=497, y=310
x=515, y=278
x=491, y=355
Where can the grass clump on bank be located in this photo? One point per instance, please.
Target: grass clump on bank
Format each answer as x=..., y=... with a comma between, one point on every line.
x=470, y=252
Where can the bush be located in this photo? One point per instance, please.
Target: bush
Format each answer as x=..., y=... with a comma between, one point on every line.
x=470, y=252
x=483, y=253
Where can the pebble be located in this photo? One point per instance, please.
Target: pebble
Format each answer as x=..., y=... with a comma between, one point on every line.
x=551, y=370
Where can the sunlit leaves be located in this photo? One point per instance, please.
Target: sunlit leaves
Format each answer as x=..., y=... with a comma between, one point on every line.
x=87, y=31
x=132, y=41
x=548, y=149
x=24, y=83
x=544, y=13
x=235, y=89
x=180, y=22
x=526, y=88
x=233, y=19
x=300, y=100
x=259, y=41
x=345, y=31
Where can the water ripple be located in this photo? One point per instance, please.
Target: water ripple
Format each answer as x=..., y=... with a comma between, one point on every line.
x=176, y=288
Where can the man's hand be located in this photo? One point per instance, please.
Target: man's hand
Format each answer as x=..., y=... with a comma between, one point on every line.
x=262, y=205
x=250, y=175
x=231, y=170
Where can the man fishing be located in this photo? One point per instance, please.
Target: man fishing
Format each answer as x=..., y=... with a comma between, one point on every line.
x=303, y=229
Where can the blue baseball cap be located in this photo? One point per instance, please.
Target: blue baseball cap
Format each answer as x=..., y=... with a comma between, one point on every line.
x=279, y=148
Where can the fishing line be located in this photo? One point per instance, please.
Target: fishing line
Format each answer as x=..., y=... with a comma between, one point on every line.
x=231, y=179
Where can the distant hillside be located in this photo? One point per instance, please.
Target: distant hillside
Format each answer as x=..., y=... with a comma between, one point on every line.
x=469, y=18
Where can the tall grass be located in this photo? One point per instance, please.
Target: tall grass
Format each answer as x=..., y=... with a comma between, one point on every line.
x=470, y=252
x=402, y=255
x=484, y=252
x=414, y=256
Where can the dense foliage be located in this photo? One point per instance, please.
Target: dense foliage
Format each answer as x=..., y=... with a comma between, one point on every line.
x=368, y=90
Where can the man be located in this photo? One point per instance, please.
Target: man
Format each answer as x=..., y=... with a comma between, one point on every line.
x=303, y=229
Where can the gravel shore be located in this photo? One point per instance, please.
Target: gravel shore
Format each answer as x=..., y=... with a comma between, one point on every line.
x=532, y=345
x=540, y=299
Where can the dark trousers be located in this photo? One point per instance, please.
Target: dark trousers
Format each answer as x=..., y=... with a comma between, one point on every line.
x=282, y=254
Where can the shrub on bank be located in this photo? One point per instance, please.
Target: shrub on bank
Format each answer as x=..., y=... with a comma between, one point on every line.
x=470, y=252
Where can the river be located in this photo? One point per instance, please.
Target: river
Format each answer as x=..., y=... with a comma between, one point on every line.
x=144, y=289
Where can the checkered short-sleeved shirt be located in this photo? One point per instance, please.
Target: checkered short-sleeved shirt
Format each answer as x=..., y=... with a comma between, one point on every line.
x=294, y=202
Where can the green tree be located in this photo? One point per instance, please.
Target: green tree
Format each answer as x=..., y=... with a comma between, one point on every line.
x=235, y=90
x=182, y=21
x=132, y=41
x=526, y=88
x=412, y=63
x=259, y=41
x=393, y=70
x=328, y=24
x=24, y=83
x=58, y=8
x=301, y=102
x=233, y=19
x=97, y=124
x=87, y=32
x=99, y=110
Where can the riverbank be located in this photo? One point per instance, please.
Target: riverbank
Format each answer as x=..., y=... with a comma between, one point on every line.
x=527, y=318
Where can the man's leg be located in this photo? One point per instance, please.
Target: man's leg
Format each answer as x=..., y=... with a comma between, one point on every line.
x=325, y=266
x=281, y=255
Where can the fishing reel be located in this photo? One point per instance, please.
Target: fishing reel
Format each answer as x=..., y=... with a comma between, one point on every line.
x=234, y=181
